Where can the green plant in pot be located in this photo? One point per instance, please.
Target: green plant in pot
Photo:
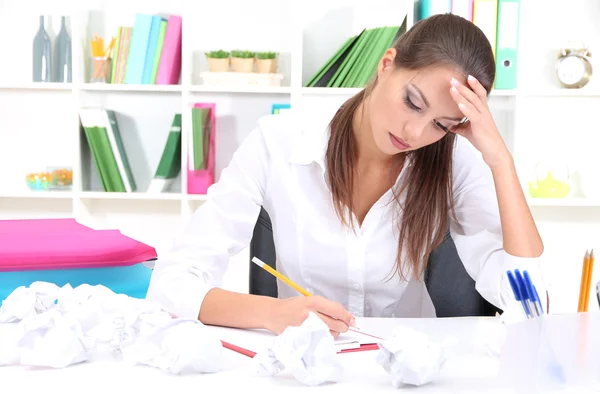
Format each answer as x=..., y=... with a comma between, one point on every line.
x=242, y=61
x=218, y=61
x=266, y=62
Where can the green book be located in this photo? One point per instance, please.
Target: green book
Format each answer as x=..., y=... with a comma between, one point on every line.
x=386, y=39
x=89, y=125
x=169, y=166
x=108, y=161
x=365, y=57
x=162, y=30
x=201, y=130
x=89, y=135
x=325, y=73
x=109, y=120
x=349, y=62
x=92, y=118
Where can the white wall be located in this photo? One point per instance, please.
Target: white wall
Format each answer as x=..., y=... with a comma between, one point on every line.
x=37, y=126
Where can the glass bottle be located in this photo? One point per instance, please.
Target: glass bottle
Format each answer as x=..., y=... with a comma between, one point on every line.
x=42, y=55
x=63, y=54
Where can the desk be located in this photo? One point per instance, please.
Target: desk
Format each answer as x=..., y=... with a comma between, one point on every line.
x=468, y=370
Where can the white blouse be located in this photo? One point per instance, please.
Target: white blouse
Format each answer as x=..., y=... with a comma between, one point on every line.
x=281, y=166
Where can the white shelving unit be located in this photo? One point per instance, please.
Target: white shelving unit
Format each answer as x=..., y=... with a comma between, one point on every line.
x=39, y=124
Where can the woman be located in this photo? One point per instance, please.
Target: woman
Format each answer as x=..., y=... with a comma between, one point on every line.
x=359, y=202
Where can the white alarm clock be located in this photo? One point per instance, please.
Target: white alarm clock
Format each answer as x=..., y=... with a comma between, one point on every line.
x=574, y=67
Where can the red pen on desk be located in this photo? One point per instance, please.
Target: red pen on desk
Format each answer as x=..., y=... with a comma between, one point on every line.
x=251, y=354
x=238, y=349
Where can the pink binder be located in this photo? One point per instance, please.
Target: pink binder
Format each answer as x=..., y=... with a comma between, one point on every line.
x=199, y=181
x=169, y=68
x=41, y=225
x=65, y=244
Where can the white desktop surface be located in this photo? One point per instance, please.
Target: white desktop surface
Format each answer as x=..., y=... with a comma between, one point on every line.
x=468, y=370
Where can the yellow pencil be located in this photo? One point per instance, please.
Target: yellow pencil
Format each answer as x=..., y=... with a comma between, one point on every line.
x=276, y=274
x=296, y=287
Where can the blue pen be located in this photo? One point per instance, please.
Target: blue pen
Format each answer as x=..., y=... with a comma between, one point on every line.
x=525, y=294
x=517, y=292
x=533, y=295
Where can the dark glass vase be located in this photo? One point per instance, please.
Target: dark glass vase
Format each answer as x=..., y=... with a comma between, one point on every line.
x=63, y=54
x=42, y=55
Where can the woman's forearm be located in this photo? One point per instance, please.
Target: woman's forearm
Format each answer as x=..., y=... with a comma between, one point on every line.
x=520, y=234
x=226, y=308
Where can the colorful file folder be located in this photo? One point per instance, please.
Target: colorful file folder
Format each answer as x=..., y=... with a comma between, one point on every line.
x=62, y=251
x=507, y=44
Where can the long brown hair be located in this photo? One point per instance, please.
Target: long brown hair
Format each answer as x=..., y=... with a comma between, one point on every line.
x=440, y=40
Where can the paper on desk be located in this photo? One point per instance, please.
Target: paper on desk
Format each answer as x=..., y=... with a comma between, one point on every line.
x=411, y=358
x=56, y=327
x=179, y=346
x=307, y=352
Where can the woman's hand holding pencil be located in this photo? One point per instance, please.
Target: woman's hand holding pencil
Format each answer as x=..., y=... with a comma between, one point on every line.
x=293, y=311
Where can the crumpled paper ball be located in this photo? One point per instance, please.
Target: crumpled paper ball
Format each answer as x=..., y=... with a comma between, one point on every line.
x=51, y=340
x=411, y=358
x=51, y=326
x=179, y=347
x=29, y=301
x=307, y=352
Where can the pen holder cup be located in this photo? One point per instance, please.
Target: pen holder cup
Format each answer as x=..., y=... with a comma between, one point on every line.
x=100, y=69
x=552, y=352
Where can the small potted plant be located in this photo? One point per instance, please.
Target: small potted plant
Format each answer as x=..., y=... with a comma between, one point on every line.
x=218, y=61
x=242, y=61
x=266, y=62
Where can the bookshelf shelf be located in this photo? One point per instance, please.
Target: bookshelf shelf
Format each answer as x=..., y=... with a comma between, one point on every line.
x=561, y=93
x=504, y=93
x=130, y=88
x=130, y=196
x=39, y=195
x=41, y=86
x=240, y=89
x=330, y=91
x=196, y=197
x=351, y=91
x=564, y=202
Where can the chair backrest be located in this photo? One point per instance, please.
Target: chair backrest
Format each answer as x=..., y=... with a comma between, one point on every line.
x=450, y=287
x=263, y=247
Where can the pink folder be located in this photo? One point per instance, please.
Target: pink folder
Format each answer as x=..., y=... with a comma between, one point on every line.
x=169, y=68
x=199, y=181
x=65, y=244
x=41, y=225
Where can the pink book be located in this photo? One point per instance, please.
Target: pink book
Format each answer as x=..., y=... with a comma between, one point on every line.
x=70, y=247
x=199, y=181
x=169, y=68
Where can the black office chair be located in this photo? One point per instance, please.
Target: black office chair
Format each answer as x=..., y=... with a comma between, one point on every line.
x=450, y=287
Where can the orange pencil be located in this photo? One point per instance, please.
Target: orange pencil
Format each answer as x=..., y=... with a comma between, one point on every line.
x=584, y=280
x=588, y=283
